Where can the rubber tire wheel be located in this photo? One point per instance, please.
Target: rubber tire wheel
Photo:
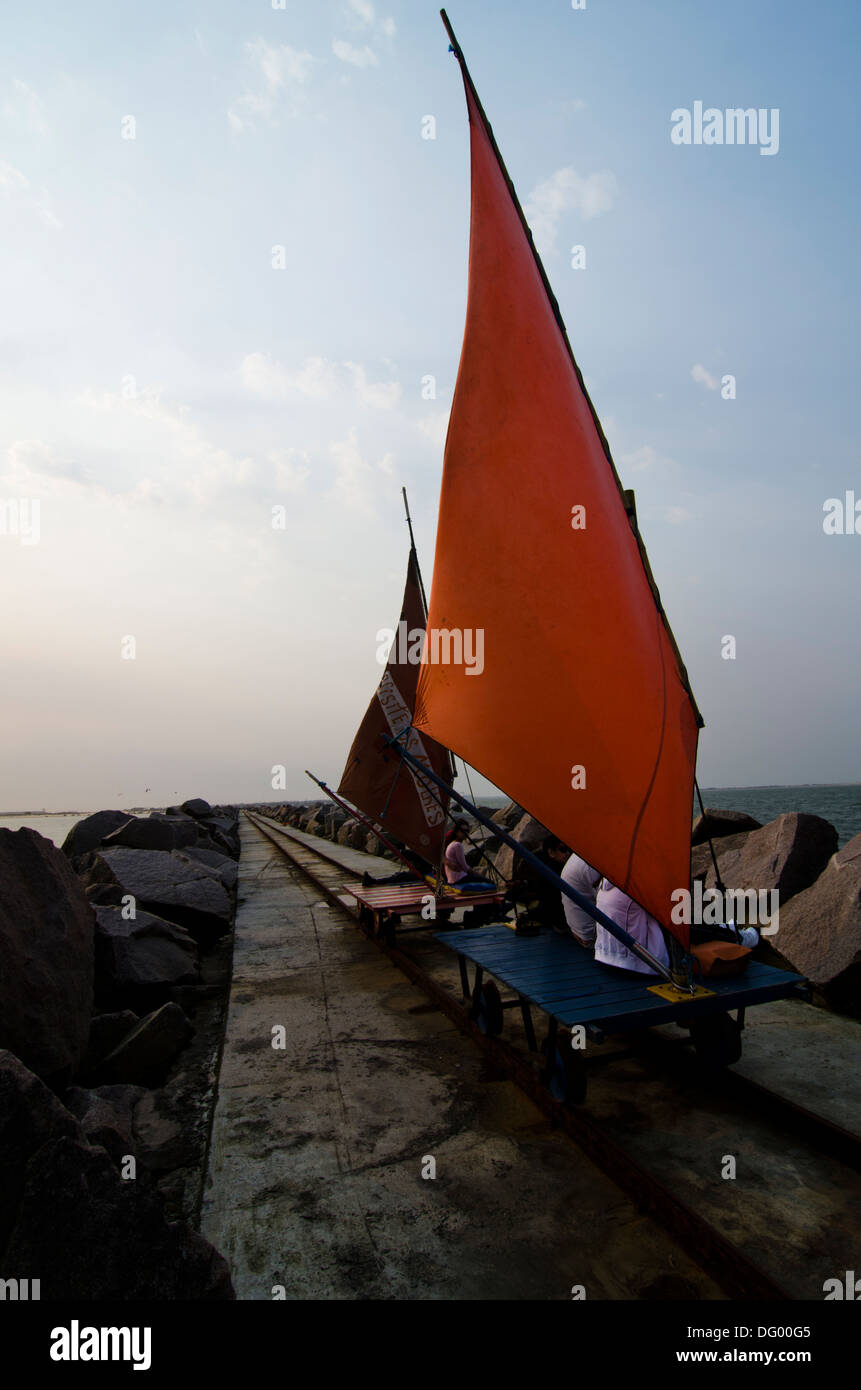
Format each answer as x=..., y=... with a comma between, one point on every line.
x=717, y=1040
x=566, y=1079
x=487, y=1010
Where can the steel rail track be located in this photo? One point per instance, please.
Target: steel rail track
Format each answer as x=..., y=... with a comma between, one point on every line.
x=739, y=1276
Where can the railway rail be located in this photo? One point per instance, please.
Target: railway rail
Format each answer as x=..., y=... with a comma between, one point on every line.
x=734, y=1270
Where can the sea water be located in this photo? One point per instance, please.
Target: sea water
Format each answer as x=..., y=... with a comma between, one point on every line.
x=839, y=803
x=54, y=827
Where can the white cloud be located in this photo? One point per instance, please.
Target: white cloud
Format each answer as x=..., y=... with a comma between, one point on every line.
x=281, y=64
x=364, y=9
x=639, y=459
x=263, y=377
x=183, y=464
x=644, y=458
x=17, y=187
x=351, y=474
x=291, y=469
x=280, y=72
x=29, y=457
x=389, y=27
x=676, y=516
x=699, y=373
x=359, y=57
x=12, y=179
x=382, y=395
x=317, y=378
x=435, y=427
x=567, y=191
x=23, y=108
x=356, y=481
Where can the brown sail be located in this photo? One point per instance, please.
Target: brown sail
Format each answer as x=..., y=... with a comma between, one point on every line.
x=376, y=779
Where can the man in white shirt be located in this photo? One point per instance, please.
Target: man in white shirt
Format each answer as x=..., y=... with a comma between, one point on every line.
x=582, y=877
x=637, y=923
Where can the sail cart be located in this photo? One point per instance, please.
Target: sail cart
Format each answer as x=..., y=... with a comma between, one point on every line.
x=583, y=712
x=401, y=797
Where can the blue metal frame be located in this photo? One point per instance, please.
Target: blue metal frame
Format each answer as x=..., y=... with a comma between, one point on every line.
x=567, y=983
x=535, y=863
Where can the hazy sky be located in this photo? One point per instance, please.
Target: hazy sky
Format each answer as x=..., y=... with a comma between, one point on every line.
x=165, y=385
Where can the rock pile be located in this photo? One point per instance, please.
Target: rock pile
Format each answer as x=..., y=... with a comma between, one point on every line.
x=718, y=824
x=67, y=1211
x=46, y=956
x=330, y=822
x=114, y=966
x=819, y=932
x=788, y=854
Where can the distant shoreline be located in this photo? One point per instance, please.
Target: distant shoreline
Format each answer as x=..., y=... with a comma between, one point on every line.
x=736, y=787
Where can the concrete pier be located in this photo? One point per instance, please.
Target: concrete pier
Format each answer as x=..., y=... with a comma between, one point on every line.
x=315, y=1185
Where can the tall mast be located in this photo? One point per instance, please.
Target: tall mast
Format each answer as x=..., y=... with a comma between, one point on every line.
x=415, y=553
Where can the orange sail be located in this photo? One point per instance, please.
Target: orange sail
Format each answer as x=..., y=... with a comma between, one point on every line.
x=376, y=779
x=582, y=711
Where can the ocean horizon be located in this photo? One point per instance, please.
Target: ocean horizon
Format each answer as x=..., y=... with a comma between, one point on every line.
x=837, y=802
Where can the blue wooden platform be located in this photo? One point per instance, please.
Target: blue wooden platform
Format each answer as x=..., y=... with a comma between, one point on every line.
x=563, y=979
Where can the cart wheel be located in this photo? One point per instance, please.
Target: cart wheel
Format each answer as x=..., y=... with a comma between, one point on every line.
x=717, y=1040
x=443, y=914
x=487, y=1010
x=564, y=1074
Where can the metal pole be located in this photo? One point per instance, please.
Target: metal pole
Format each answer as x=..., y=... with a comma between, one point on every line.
x=451, y=768
x=358, y=816
x=718, y=879
x=564, y=888
x=415, y=552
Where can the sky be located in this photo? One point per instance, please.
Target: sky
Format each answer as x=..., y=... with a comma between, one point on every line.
x=232, y=258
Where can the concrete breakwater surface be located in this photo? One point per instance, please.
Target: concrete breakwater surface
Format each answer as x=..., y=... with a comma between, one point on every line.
x=362, y=1149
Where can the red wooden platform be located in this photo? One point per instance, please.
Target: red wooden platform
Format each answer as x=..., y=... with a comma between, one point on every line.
x=388, y=901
